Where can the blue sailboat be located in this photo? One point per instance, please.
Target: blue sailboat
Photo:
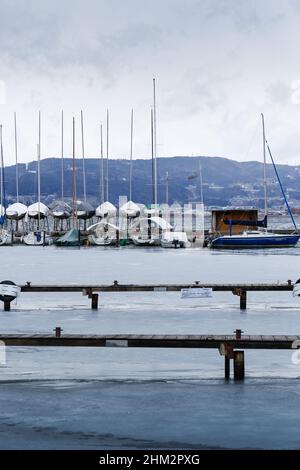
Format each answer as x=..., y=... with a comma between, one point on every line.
x=256, y=238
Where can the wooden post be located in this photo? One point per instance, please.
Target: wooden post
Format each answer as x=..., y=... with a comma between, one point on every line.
x=243, y=300
x=95, y=301
x=227, y=367
x=57, y=331
x=239, y=365
x=7, y=305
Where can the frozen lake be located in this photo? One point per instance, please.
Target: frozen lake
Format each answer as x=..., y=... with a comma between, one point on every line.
x=119, y=398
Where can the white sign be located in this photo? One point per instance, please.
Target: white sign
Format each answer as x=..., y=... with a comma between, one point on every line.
x=116, y=343
x=196, y=293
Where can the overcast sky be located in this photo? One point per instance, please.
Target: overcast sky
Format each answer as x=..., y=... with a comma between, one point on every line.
x=218, y=65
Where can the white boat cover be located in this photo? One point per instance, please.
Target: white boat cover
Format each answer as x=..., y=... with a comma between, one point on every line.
x=16, y=211
x=107, y=209
x=36, y=208
x=130, y=209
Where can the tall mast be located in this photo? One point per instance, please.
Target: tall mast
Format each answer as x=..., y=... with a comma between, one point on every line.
x=154, y=141
x=167, y=187
x=201, y=182
x=16, y=155
x=152, y=158
x=39, y=171
x=265, y=169
x=131, y=147
x=74, y=201
x=102, y=167
x=107, y=146
x=1, y=182
x=62, y=155
x=83, y=162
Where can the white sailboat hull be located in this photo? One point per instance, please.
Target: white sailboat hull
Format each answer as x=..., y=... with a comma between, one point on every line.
x=5, y=238
x=37, y=238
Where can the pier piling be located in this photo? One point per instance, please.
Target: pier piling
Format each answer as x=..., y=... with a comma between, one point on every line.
x=227, y=367
x=95, y=298
x=239, y=365
x=243, y=300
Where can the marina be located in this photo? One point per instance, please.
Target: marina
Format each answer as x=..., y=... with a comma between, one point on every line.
x=111, y=377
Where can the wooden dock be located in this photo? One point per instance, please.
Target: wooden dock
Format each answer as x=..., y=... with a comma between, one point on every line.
x=151, y=341
x=117, y=287
x=93, y=290
x=226, y=344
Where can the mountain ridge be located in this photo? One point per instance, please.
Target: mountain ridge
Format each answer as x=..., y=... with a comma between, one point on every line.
x=225, y=181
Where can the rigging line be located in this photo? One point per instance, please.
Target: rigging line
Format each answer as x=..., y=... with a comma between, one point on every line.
x=281, y=187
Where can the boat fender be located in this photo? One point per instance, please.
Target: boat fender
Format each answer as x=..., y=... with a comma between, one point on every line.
x=296, y=289
x=8, y=291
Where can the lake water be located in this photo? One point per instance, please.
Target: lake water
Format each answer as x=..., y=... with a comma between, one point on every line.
x=89, y=398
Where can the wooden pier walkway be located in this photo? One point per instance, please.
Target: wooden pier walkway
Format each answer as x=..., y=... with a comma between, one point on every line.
x=92, y=290
x=117, y=287
x=151, y=341
x=226, y=344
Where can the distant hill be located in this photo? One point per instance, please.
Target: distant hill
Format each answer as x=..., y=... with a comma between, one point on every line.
x=225, y=182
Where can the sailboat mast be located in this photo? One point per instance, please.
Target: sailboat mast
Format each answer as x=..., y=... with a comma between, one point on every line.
x=152, y=158
x=102, y=167
x=154, y=141
x=62, y=155
x=74, y=201
x=16, y=156
x=265, y=163
x=83, y=162
x=1, y=182
x=167, y=187
x=131, y=148
x=39, y=171
x=107, y=146
x=201, y=182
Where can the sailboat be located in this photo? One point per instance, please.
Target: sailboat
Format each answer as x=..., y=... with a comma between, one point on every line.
x=4, y=235
x=59, y=208
x=256, y=238
x=38, y=210
x=17, y=210
x=148, y=231
x=85, y=210
x=130, y=209
x=106, y=210
x=72, y=237
x=103, y=233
